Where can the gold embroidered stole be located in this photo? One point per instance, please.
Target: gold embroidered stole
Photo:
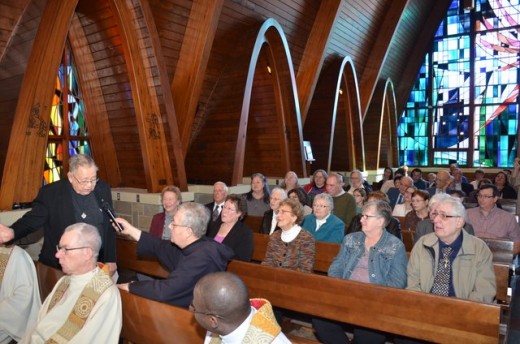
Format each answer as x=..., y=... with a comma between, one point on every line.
x=263, y=328
x=82, y=308
x=5, y=253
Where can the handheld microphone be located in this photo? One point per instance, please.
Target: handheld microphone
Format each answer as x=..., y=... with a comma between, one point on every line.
x=110, y=213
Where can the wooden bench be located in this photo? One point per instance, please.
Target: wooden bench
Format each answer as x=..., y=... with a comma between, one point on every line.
x=254, y=222
x=408, y=313
x=147, y=321
x=408, y=240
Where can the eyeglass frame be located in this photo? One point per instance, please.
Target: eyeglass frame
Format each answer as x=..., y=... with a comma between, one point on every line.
x=192, y=309
x=66, y=250
x=85, y=182
x=442, y=216
x=365, y=216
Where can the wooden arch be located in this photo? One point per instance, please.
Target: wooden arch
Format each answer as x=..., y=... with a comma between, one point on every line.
x=334, y=124
x=381, y=123
x=219, y=151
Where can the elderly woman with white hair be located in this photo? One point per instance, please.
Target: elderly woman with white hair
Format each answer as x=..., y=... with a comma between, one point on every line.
x=322, y=224
x=270, y=222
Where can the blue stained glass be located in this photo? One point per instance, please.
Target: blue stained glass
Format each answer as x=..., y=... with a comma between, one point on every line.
x=446, y=113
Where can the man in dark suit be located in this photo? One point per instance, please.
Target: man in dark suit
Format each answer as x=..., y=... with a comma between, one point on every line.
x=78, y=198
x=396, y=195
x=442, y=183
x=418, y=180
x=459, y=183
x=220, y=192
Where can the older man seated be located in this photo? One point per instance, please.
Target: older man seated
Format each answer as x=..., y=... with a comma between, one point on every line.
x=85, y=305
x=450, y=261
x=322, y=224
x=193, y=256
x=19, y=295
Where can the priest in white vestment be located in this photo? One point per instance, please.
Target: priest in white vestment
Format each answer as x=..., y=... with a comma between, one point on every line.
x=19, y=294
x=85, y=305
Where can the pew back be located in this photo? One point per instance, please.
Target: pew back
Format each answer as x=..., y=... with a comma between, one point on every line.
x=127, y=259
x=148, y=321
x=413, y=314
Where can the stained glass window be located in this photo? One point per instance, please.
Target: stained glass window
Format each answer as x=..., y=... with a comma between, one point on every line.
x=464, y=105
x=68, y=132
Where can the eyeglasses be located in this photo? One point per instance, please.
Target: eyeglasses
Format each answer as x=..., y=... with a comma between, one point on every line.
x=365, y=216
x=193, y=310
x=285, y=211
x=65, y=250
x=176, y=225
x=442, y=216
x=229, y=208
x=86, y=182
x=319, y=206
x=485, y=196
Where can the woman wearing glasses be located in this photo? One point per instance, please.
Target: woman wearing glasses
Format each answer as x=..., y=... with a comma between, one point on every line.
x=322, y=224
x=232, y=232
x=420, y=212
x=370, y=256
x=292, y=247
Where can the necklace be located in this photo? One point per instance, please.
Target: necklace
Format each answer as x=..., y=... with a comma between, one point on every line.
x=77, y=200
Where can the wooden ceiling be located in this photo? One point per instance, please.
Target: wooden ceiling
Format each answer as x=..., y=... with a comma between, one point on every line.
x=165, y=81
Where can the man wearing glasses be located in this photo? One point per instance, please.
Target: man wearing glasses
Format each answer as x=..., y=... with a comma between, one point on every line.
x=191, y=256
x=451, y=262
x=488, y=220
x=78, y=198
x=85, y=305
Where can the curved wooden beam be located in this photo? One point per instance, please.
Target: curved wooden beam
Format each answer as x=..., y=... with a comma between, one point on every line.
x=147, y=111
x=291, y=140
x=23, y=169
x=101, y=140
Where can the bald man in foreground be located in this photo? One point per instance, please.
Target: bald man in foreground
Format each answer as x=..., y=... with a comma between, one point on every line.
x=222, y=306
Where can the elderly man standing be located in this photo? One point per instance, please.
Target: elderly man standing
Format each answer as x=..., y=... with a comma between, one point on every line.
x=450, y=261
x=222, y=306
x=85, y=305
x=322, y=224
x=193, y=256
x=488, y=220
x=19, y=295
x=344, y=203
x=78, y=198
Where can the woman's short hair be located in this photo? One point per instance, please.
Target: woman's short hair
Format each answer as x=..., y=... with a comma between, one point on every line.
x=327, y=198
x=382, y=209
x=239, y=202
x=296, y=208
x=302, y=196
x=425, y=195
x=174, y=189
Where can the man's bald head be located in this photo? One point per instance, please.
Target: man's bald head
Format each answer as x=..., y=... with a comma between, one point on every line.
x=225, y=295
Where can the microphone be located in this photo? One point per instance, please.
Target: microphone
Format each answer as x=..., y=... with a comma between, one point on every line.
x=110, y=213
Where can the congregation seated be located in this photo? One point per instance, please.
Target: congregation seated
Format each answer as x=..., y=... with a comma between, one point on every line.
x=432, y=177
x=397, y=194
x=220, y=192
x=290, y=182
x=171, y=197
x=477, y=177
x=269, y=221
x=420, y=199
x=222, y=306
x=317, y=184
x=450, y=262
x=322, y=224
x=370, y=256
x=472, y=197
x=401, y=209
x=232, y=232
x=393, y=183
x=85, y=305
x=505, y=190
x=426, y=226
x=360, y=196
x=19, y=295
x=258, y=198
x=191, y=256
x=459, y=183
x=301, y=196
x=488, y=220
x=393, y=226
x=292, y=247
x=356, y=181
x=442, y=182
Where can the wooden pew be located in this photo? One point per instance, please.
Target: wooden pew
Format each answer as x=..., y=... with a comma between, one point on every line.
x=503, y=250
x=407, y=237
x=254, y=222
x=148, y=321
x=127, y=259
x=47, y=278
x=412, y=314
